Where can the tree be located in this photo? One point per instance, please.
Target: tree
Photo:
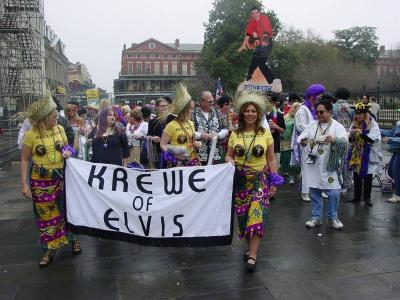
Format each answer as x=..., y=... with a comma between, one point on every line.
x=292, y=49
x=325, y=64
x=359, y=44
x=223, y=36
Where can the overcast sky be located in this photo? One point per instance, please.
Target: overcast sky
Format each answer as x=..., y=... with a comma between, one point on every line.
x=94, y=31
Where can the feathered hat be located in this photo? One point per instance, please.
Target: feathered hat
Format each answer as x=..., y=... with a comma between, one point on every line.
x=241, y=98
x=94, y=106
x=125, y=109
x=361, y=107
x=38, y=110
x=182, y=98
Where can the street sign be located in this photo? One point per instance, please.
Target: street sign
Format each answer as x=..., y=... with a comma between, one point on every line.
x=92, y=94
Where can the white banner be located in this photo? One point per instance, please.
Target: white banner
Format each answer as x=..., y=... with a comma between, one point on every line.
x=188, y=206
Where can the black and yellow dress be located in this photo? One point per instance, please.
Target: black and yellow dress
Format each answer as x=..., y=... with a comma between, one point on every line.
x=252, y=197
x=47, y=185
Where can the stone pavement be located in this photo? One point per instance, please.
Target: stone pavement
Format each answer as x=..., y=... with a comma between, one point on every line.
x=360, y=262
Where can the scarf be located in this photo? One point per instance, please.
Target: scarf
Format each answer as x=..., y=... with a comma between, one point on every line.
x=307, y=103
x=336, y=157
x=274, y=116
x=358, y=155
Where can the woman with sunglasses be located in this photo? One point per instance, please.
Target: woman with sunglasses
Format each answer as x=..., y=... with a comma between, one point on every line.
x=227, y=116
x=324, y=144
x=46, y=144
x=78, y=125
x=364, y=155
x=251, y=150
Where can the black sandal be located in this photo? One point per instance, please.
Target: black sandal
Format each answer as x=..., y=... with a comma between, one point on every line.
x=76, y=247
x=46, y=259
x=251, y=267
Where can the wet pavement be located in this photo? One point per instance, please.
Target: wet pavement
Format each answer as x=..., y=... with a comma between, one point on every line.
x=360, y=262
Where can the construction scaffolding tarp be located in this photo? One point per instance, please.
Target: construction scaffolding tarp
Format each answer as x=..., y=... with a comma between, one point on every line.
x=22, y=69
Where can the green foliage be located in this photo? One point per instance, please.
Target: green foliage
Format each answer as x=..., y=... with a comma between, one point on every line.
x=359, y=44
x=224, y=34
x=298, y=58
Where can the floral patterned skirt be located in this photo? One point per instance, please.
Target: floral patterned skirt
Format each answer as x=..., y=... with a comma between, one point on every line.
x=49, y=207
x=251, y=203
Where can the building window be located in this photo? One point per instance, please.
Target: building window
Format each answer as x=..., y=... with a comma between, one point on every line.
x=148, y=67
x=138, y=68
x=130, y=68
x=173, y=55
x=165, y=68
x=147, y=55
x=192, y=69
x=174, y=68
x=129, y=55
x=157, y=68
x=184, y=68
x=157, y=55
x=165, y=55
x=138, y=56
x=152, y=46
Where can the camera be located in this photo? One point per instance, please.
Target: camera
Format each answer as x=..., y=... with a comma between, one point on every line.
x=311, y=158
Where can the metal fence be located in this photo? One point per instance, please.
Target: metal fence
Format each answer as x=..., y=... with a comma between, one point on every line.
x=8, y=146
x=388, y=100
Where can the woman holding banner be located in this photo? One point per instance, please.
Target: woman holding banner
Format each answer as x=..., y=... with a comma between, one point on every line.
x=46, y=144
x=251, y=150
x=80, y=131
x=109, y=141
x=177, y=140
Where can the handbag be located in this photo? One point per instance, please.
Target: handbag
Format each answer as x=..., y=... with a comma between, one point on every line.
x=387, y=183
x=239, y=179
x=143, y=152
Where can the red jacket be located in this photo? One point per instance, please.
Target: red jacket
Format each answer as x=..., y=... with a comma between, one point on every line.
x=257, y=29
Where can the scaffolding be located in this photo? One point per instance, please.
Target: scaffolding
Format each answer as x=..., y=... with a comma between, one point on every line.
x=22, y=70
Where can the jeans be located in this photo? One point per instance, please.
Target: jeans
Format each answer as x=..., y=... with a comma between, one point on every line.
x=394, y=171
x=317, y=203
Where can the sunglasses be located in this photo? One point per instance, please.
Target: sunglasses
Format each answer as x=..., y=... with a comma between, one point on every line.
x=321, y=112
x=211, y=101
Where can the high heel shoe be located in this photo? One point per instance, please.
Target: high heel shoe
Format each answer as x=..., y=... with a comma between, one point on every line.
x=251, y=266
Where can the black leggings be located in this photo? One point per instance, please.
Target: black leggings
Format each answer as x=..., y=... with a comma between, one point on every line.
x=358, y=186
x=259, y=59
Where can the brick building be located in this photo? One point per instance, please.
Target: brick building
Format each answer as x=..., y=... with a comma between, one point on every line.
x=388, y=62
x=79, y=78
x=151, y=68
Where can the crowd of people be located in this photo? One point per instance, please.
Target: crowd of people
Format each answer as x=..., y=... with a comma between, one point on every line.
x=318, y=140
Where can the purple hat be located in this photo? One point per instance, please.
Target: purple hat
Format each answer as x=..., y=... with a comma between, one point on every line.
x=314, y=90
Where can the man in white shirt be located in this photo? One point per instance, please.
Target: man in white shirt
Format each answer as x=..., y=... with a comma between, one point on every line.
x=321, y=169
x=375, y=108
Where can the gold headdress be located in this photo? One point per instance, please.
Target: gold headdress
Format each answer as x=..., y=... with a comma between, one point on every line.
x=241, y=98
x=182, y=98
